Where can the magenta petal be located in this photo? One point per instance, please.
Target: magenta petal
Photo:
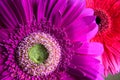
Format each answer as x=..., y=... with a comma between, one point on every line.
x=86, y=61
x=28, y=10
x=6, y=14
x=50, y=10
x=83, y=26
x=65, y=76
x=8, y=77
x=93, y=49
x=1, y=68
x=72, y=11
x=2, y=59
x=93, y=73
x=88, y=65
x=56, y=19
x=87, y=11
x=3, y=34
x=90, y=73
x=41, y=10
x=82, y=29
x=50, y=5
x=88, y=19
x=5, y=73
x=82, y=60
x=56, y=10
x=12, y=13
x=89, y=35
x=77, y=74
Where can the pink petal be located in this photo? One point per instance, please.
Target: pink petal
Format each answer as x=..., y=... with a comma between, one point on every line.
x=28, y=10
x=91, y=48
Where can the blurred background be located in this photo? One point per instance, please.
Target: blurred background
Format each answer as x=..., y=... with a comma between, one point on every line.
x=113, y=77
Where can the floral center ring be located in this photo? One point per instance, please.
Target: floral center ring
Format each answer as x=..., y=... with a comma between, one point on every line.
x=102, y=19
x=39, y=54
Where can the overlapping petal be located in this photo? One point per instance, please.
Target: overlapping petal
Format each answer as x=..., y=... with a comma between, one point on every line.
x=85, y=58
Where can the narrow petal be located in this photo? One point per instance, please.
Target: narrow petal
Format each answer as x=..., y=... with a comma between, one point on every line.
x=6, y=16
x=41, y=10
x=73, y=7
x=11, y=14
x=28, y=10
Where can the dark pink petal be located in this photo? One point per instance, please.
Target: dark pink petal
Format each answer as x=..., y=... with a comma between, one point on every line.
x=65, y=76
x=54, y=9
x=88, y=66
x=78, y=74
x=50, y=4
x=41, y=10
x=83, y=26
x=50, y=10
x=4, y=35
x=7, y=17
x=71, y=11
x=27, y=5
x=93, y=49
x=7, y=77
x=84, y=60
x=2, y=59
x=83, y=31
x=87, y=11
x=1, y=68
x=56, y=19
x=90, y=33
x=12, y=14
x=5, y=73
x=17, y=11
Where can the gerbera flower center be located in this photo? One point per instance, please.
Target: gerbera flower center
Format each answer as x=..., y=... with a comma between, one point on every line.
x=98, y=20
x=102, y=19
x=38, y=53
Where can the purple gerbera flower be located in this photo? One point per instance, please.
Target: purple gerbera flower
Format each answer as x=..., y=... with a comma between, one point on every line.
x=48, y=40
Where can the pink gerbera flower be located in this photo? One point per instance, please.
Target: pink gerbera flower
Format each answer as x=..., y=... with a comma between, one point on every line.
x=107, y=17
x=48, y=40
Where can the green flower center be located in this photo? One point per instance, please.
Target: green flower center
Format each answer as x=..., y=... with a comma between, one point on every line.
x=38, y=53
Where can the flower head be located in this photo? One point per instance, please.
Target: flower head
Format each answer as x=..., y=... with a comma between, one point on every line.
x=42, y=39
x=107, y=18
